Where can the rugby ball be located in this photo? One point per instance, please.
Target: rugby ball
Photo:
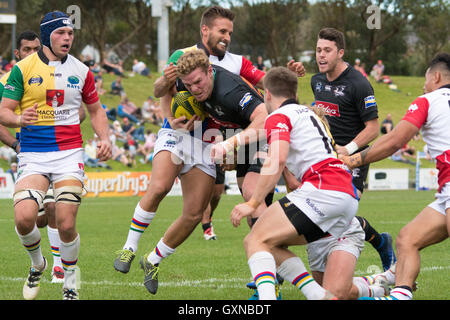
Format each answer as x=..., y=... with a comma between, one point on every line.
x=184, y=104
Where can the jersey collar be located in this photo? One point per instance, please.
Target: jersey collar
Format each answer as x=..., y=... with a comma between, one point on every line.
x=44, y=58
x=447, y=86
x=289, y=101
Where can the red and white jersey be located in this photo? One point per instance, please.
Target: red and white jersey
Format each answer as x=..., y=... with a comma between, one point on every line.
x=431, y=113
x=311, y=156
x=238, y=64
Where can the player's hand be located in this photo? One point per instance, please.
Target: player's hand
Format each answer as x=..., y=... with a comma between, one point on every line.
x=170, y=73
x=28, y=117
x=341, y=151
x=182, y=123
x=104, y=150
x=240, y=211
x=297, y=67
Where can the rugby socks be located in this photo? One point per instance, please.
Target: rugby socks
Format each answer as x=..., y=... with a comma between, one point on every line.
x=69, y=258
x=366, y=289
x=141, y=220
x=32, y=243
x=372, y=236
x=402, y=293
x=160, y=252
x=294, y=271
x=263, y=268
x=55, y=242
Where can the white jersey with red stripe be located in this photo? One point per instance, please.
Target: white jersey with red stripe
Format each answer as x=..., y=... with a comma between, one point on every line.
x=431, y=113
x=311, y=156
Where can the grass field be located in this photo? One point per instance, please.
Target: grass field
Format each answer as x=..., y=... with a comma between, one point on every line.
x=199, y=270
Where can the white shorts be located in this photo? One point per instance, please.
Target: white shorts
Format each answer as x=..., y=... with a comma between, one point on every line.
x=186, y=150
x=53, y=165
x=442, y=201
x=352, y=241
x=332, y=211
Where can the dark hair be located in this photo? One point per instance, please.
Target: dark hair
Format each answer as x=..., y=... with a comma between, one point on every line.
x=26, y=35
x=214, y=12
x=441, y=60
x=281, y=82
x=332, y=34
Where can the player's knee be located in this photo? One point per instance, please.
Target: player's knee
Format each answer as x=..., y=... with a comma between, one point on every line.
x=405, y=239
x=158, y=190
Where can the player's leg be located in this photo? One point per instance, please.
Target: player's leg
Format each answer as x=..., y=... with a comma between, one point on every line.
x=164, y=173
x=382, y=242
x=266, y=246
x=28, y=195
x=197, y=189
x=219, y=188
x=67, y=191
x=338, y=276
x=428, y=228
x=53, y=236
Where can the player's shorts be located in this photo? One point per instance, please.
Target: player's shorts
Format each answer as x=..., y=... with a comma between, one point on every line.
x=251, y=158
x=360, y=176
x=53, y=165
x=220, y=175
x=351, y=241
x=442, y=201
x=186, y=150
x=328, y=210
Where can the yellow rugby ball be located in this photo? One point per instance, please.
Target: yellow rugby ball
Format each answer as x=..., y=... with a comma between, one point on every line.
x=184, y=104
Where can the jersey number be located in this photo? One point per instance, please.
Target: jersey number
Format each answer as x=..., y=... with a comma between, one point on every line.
x=325, y=138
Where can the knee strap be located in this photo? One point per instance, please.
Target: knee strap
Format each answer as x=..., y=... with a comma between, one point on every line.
x=29, y=194
x=70, y=193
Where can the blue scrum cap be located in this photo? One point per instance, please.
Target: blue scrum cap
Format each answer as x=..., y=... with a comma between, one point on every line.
x=52, y=21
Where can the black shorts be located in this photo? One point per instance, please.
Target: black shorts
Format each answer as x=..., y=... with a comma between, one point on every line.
x=301, y=222
x=360, y=176
x=220, y=175
x=249, y=159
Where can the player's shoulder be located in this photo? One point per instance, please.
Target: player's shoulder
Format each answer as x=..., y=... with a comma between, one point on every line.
x=318, y=77
x=5, y=78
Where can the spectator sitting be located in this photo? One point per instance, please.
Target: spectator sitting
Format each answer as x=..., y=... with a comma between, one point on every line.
x=99, y=83
x=112, y=64
x=118, y=132
x=117, y=88
x=151, y=111
x=140, y=67
x=111, y=114
x=378, y=71
x=399, y=156
x=260, y=64
x=90, y=155
x=118, y=154
x=146, y=149
x=129, y=128
x=360, y=67
x=8, y=154
x=127, y=109
x=387, y=125
x=13, y=171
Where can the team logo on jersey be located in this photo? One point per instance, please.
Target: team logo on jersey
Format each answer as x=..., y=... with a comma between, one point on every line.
x=370, y=101
x=55, y=98
x=413, y=107
x=330, y=109
x=319, y=86
x=245, y=100
x=282, y=126
x=35, y=80
x=73, y=82
x=339, y=91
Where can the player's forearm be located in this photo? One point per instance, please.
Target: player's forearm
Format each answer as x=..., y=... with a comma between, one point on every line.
x=161, y=87
x=6, y=137
x=367, y=135
x=8, y=118
x=99, y=121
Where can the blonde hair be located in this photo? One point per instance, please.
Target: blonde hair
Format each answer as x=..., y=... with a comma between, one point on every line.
x=192, y=60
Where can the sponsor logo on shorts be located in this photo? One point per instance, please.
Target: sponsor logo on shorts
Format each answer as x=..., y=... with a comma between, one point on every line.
x=313, y=206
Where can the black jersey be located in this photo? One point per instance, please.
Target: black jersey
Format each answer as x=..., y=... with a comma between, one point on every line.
x=232, y=100
x=349, y=101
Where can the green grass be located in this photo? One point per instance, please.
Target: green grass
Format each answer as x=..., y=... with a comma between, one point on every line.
x=199, y=270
